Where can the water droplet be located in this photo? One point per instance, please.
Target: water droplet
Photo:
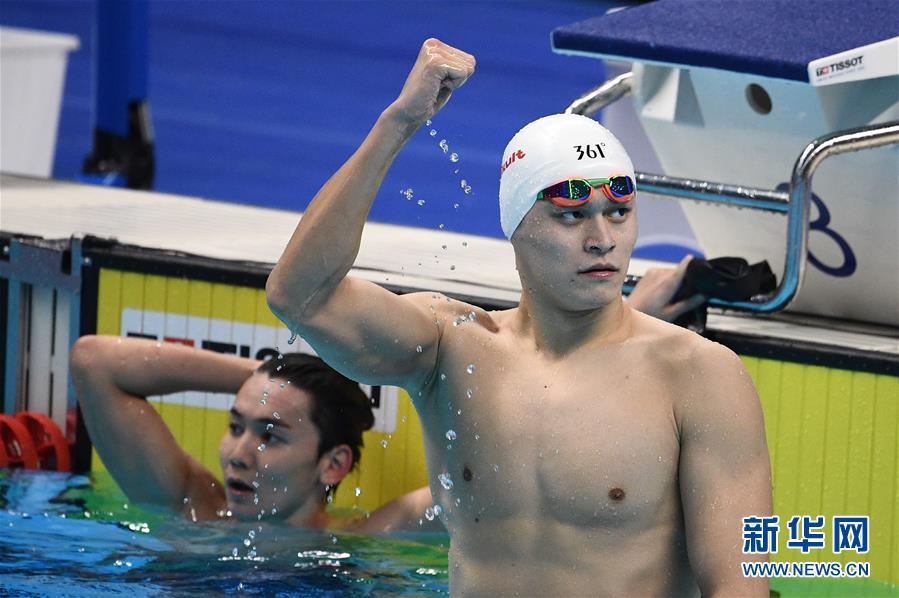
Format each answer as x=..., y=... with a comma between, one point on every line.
x=469, y=393
x=358, y=491
x=274, y=511
x=458, y=502
x=261, y=448
x=234, y=551
x=429, y=514
x=255, y=484
x=420, y=202
x=384, y=443
x=477, y=436
x=450, y=434
x=408, y=193
x=293, y=338
x=446, y=481
x=418, y=349
x=452, y=267
x=470, y=369
x=268, y=427
x=496, y=468
x=246, y=542
x=441, y=226
x=456, y=171
x=444, y=145
x=428, y=123
x=276, y=415
x=454, y=157
x=251, y=535
x=432, y=132
x=660, y=458
x=455, y=206
x=437, y=510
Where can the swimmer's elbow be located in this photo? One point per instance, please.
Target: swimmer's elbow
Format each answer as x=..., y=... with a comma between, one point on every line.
x=83, y=356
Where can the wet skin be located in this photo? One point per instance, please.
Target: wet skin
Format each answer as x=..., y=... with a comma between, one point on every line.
x=288, y=470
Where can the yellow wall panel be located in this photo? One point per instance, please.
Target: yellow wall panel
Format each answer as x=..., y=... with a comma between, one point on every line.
x=789, y=426
x=132, y=291
x=109, y=295
x=199, y=302
x=154, y=292
x=222, y=302
x=263, y=314
x=883, y=476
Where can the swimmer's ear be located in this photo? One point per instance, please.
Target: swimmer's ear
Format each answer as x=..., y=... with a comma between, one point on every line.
x=335, y=464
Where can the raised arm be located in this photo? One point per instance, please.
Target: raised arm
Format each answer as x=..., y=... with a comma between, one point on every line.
x=112, y=377
x=360, y=329
x=725, y=472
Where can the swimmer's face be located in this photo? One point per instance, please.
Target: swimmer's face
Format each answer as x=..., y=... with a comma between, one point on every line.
x=576, y=258
x=288, y=471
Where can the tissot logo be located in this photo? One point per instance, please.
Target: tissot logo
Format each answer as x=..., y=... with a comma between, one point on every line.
x=517, y=155
x=840, y=65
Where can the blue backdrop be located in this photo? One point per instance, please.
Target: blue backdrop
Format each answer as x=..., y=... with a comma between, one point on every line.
x=259, y=102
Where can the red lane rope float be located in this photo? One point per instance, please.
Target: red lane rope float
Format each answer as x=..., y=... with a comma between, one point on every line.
x=49, y=442
x=16, y=447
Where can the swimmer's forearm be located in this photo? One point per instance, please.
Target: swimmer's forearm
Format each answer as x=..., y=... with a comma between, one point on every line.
x=143, y=367
x=326, y=242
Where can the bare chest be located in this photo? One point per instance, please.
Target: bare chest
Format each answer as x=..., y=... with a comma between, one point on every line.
x=583, y=441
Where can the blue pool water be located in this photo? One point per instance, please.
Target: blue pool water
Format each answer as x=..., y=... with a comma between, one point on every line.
x=71, y=535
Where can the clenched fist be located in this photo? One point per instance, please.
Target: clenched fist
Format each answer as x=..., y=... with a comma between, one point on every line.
x=438, y=71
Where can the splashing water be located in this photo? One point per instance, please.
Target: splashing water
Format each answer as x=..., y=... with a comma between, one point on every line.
x=446, y=481
x=407, y=193
x=469, y=317
x=450, y=434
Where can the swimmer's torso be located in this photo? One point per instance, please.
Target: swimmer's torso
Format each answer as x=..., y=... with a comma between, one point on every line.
x=563, y=472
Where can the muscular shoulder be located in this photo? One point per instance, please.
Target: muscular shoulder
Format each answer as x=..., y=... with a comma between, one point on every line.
x=701, y=373
x=449, y=313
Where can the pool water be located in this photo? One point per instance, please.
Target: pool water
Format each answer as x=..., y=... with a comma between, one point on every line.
x=63, y=534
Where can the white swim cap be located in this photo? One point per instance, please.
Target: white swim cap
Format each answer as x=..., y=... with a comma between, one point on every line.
x=551, y=150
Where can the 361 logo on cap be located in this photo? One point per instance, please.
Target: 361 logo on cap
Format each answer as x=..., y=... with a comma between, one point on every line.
x=590, y=151
x=517, y=155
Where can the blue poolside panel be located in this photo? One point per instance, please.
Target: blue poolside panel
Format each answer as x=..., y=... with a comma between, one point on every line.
x=771, y=38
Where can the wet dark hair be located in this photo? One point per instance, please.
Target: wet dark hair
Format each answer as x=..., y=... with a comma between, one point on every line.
x=340, y=410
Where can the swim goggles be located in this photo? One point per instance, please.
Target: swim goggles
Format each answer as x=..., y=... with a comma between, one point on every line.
x=577, y=192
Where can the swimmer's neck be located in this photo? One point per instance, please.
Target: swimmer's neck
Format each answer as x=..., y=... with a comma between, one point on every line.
x=557, y=332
